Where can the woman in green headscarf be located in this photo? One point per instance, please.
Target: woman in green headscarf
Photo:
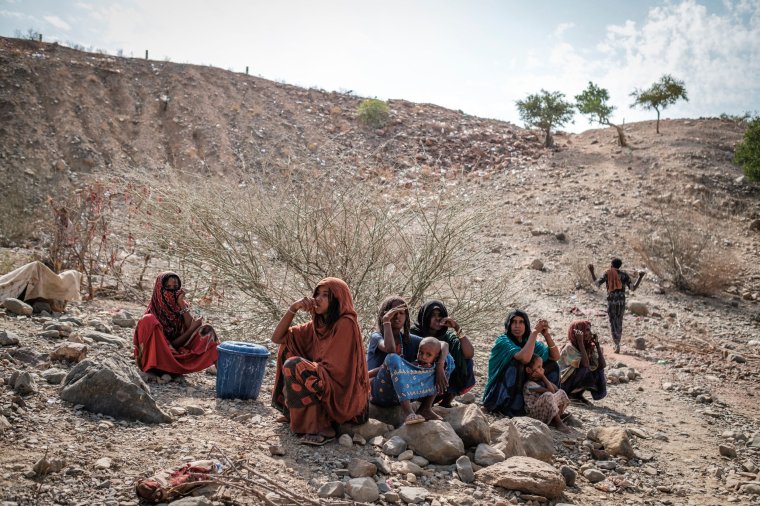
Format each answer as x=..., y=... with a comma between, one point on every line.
x=506, y=367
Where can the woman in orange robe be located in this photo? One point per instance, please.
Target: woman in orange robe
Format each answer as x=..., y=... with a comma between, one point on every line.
x=321, y=378
x=167, y=338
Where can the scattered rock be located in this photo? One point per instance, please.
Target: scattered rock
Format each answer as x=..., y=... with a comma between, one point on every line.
x=525, y=474
x=53, y=376
x=537, y=265
x=113, y=388
x=406, y=467
x=727, y=451
x=507, y=438
x=103, y=463
x=640, y=343
x=363, y=489
x=358, y=468
x=346, y=441
x=435, y=440
x=486, y=455
x=395, y=446
x=614, y=439
x=195, y=410
x=569, y=474
x=45, y=466
x=464, y=469
x=4, y=424
x=73, y=352
x=100, y=326
x=8, y=338
x=332, y=489
x=23, y=383
x=638, y=308
x=593, y=475
x=413, y=495
x=123, y=319
x=101, y=337
x=372, y=428
x=18, y=307
x=193, y=501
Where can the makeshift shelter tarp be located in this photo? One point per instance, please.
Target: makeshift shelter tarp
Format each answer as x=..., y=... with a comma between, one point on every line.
x=36, y=281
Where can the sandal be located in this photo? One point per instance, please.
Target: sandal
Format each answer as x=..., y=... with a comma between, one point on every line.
x=414, y=419
x=315, y=442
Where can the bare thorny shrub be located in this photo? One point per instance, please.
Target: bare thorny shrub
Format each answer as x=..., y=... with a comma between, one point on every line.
x=274, y=244
x=684, y=249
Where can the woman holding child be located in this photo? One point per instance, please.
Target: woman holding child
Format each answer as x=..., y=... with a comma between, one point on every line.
x=511, y=352
x=321, y=377
x=405, y=367
x=433, y=320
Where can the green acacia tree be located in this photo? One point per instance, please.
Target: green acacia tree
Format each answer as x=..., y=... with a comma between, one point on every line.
x=665, y=92
x=593, y=103
x=748, y=151
x=546, y=111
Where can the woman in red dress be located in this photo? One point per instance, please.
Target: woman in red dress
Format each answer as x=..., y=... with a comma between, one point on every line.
x=167, y=338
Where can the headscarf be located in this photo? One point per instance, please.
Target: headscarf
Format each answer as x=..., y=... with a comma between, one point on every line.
x=584, y=327
x=385, y=306
x=338, y=351
x=507, y=346
x=613, y=280
x=508, y=327
x=165, y=307
x=422, y=328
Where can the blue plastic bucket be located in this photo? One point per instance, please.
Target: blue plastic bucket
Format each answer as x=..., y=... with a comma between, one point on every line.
x=240, y=370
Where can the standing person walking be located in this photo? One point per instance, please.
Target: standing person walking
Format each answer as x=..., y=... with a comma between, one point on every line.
x=616, y=281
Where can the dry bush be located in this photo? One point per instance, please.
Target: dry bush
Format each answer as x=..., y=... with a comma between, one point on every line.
x=684, y=250
x=580, y=278
x=274, y=244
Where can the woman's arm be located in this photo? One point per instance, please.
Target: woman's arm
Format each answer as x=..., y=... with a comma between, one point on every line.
x=468, y=351
x=526, y=352
x=441, y=382
x=584, y=352
x=553, y=350
x=388, y=344
x=281, y=330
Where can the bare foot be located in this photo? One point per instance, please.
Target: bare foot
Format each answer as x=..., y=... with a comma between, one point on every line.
x=429, y=414
x=315, y=439
x=413, y=418
x=282, y=419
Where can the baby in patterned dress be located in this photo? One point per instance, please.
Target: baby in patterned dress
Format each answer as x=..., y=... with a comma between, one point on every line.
x=543, y=400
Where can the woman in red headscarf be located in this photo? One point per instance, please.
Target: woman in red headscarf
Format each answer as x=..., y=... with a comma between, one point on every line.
x=321, y=378
x=582, y=363
x=167, y=338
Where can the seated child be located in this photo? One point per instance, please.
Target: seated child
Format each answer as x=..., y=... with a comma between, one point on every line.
x=412, y=381
x=543, y=400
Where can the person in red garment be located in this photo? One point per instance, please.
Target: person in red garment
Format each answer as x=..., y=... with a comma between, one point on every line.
x=321, y=379
x=167, y=338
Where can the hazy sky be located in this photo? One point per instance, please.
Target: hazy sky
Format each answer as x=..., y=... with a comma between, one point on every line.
x=476, y=55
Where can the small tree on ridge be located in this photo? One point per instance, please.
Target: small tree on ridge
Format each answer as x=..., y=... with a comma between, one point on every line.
x=667, y=91
x=748, y=151
x=593, y=102
x=546, y=111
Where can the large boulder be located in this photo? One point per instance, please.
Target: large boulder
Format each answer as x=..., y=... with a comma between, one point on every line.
x=487, y=455
x=525, y=474
x=124, y=319
x=536, y=438
x=614, y=439
x=638, y=308
x=392, y=415
x=468, y=422
x=435, y=440
x=113, y=388
x=507, y=438
x=23, y=382
x=8, y=338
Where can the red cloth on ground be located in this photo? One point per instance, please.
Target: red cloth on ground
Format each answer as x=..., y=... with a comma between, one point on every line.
x=152, y=349
x=339, y=360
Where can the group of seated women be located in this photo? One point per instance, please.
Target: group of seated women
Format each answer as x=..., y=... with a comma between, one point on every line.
x=324, y=377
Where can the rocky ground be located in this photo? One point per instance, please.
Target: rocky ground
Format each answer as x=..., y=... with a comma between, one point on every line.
x=681, y=423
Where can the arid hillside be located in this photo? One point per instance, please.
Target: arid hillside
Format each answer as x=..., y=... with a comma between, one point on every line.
x=223, y=158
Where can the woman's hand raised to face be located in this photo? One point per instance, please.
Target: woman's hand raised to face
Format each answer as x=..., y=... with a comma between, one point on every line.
x=306, y=304
x=450, y=323
x=388, y=316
